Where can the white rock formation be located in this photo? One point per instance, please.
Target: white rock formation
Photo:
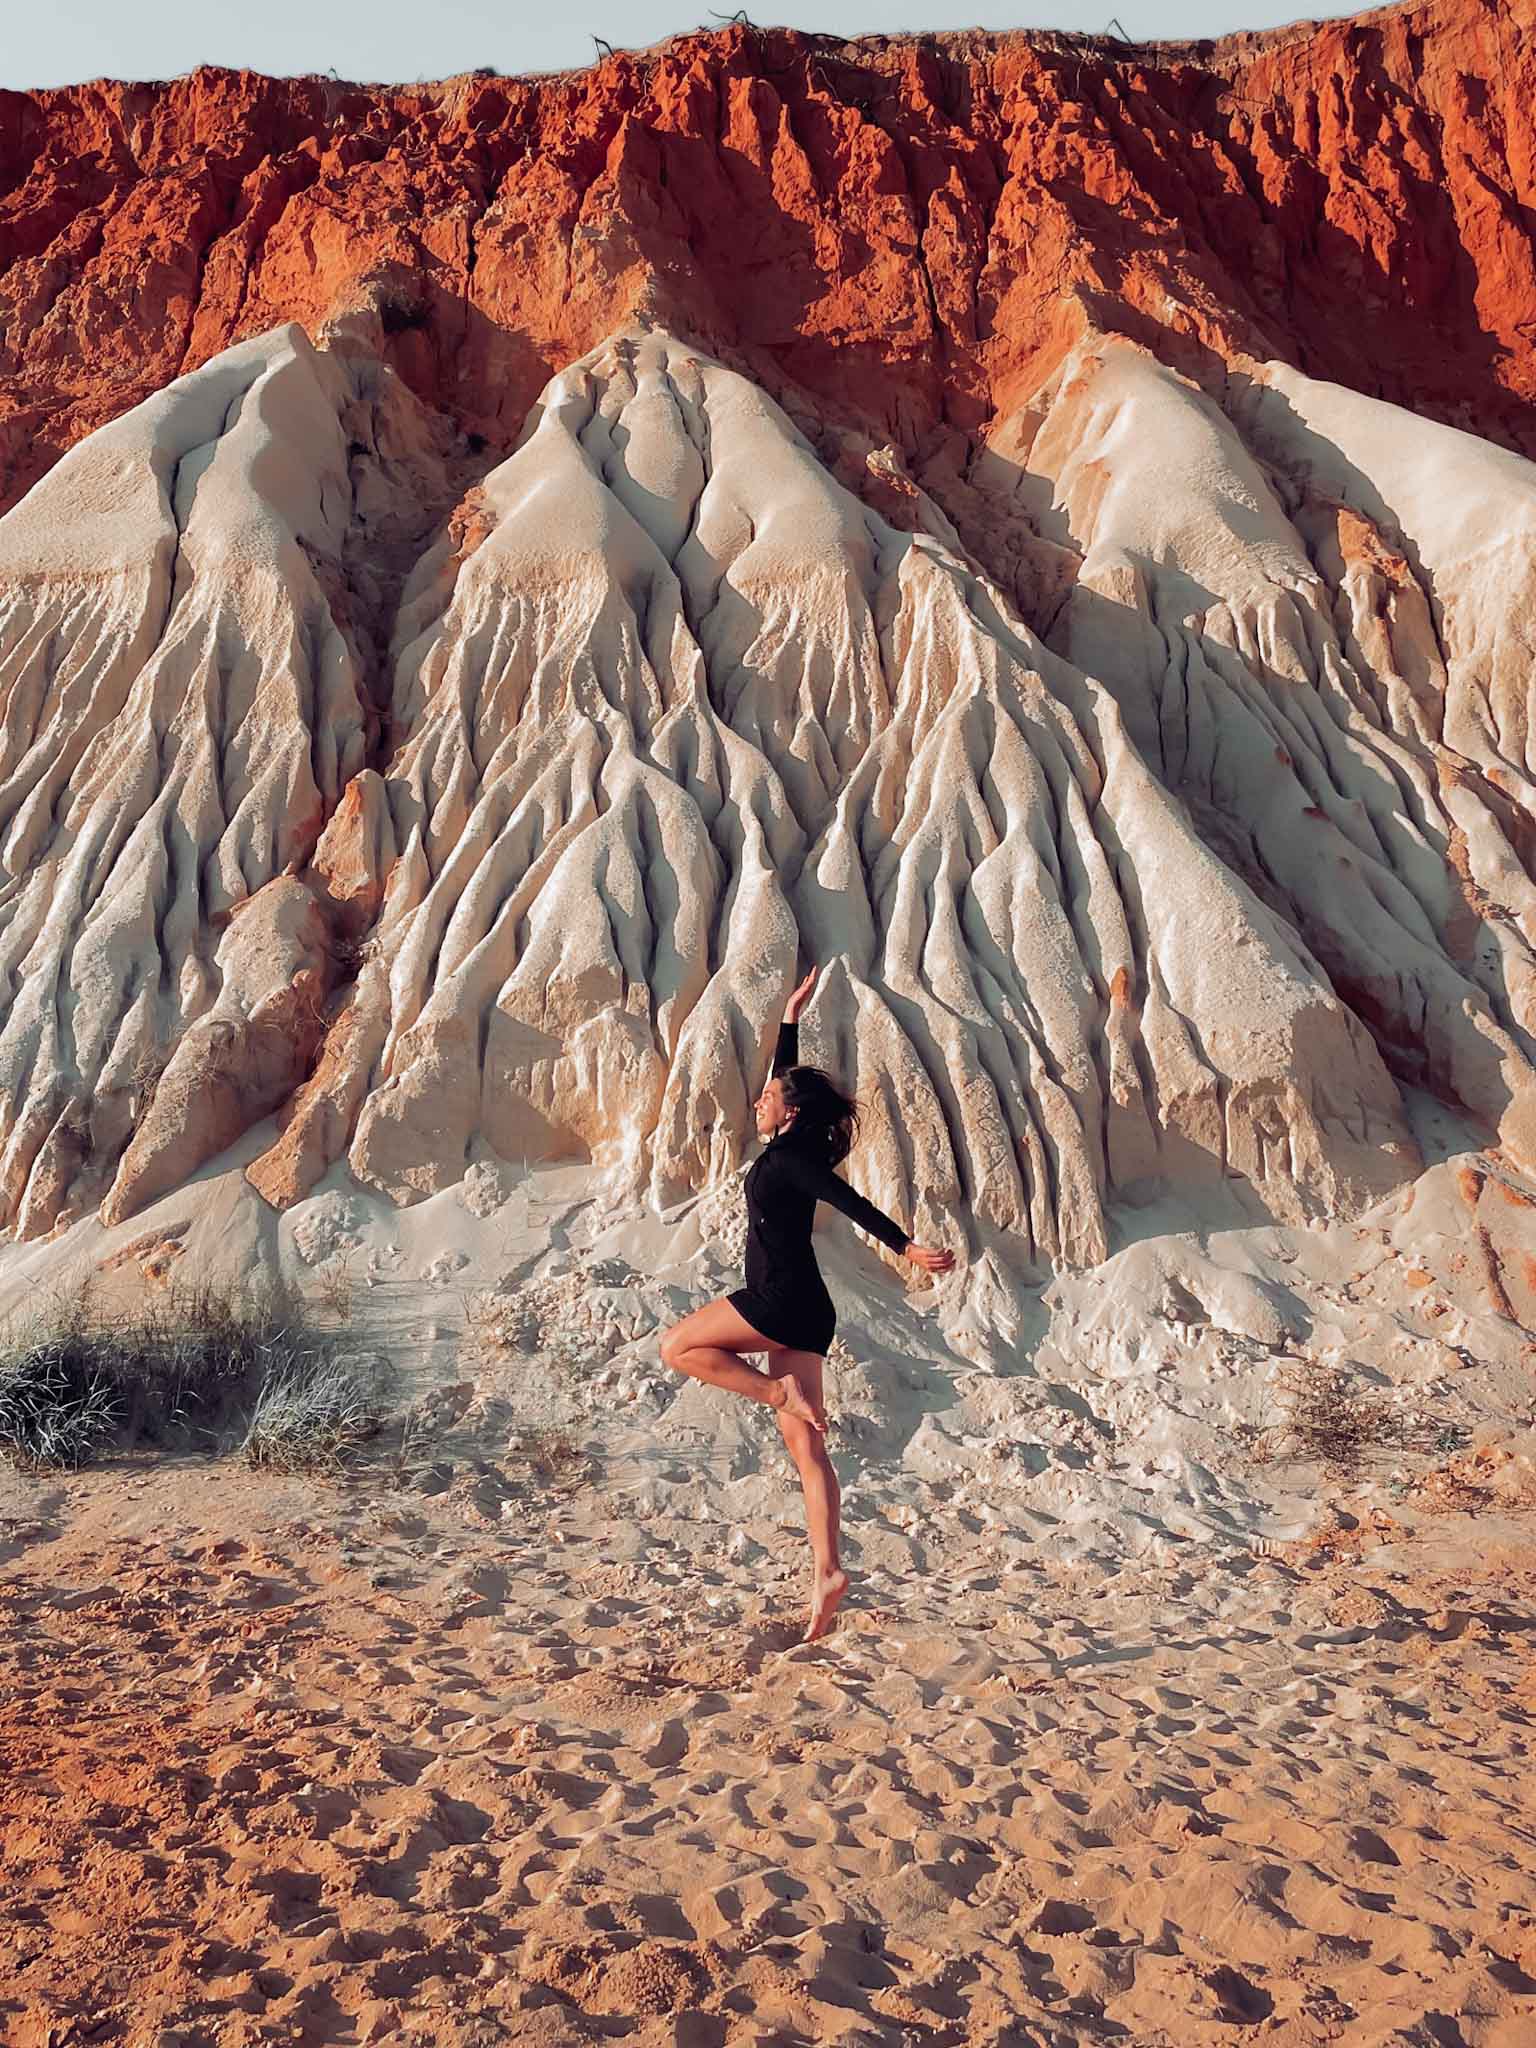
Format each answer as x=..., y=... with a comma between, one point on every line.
x=1108, y=914
x=1328, y=660
x=180, y=714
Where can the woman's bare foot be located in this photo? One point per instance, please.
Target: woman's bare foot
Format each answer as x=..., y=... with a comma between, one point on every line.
x=826, y=1598
x=790, y=1399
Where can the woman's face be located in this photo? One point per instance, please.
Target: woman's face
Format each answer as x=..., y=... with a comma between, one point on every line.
x=773, y=1113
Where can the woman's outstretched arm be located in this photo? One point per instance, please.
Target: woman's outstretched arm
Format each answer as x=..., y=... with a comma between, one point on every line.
x=819, y=1180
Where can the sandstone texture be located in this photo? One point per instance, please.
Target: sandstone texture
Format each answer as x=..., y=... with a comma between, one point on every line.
x=1040, y=528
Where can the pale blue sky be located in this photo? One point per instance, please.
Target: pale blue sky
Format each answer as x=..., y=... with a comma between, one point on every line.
x=69, y=40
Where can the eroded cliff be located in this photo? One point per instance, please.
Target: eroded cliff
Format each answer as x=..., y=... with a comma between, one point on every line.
x=935, y=550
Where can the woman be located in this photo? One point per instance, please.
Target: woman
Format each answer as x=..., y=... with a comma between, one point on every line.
x=785, y=1310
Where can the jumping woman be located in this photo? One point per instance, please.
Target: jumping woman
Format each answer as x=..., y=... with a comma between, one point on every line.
x=785, y=1309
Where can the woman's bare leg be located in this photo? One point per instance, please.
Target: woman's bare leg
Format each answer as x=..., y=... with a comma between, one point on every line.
x=707, y=1346
x=818, y=1482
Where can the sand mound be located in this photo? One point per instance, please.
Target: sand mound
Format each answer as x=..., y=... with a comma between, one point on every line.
x=403, y=875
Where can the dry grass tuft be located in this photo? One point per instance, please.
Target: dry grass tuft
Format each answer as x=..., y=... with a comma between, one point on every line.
x=334, y=1288
x=1330, y=1419
x=201, y=1367
x=315, y=1412
x=549, y=1454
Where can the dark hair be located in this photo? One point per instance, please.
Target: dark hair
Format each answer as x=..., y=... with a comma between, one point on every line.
x=826, y=1119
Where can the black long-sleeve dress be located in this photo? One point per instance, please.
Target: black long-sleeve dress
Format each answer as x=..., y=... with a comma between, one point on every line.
x=785, y=1298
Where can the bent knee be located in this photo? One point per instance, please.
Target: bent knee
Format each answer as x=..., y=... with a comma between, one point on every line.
x=673, y=1345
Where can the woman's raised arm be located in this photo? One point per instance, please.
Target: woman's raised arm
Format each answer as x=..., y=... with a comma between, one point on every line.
x=786, y=1053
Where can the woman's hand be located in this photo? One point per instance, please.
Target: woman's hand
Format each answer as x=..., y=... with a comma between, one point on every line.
x=800, y=997
x=932, y=1258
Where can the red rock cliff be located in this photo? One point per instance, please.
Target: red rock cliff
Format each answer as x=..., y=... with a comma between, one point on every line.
x=904, y=230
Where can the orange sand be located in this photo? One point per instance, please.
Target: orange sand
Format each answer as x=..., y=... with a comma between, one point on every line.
x=372, y=1770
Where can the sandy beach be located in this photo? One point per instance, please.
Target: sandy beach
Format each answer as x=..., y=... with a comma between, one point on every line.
x=476, y=1758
